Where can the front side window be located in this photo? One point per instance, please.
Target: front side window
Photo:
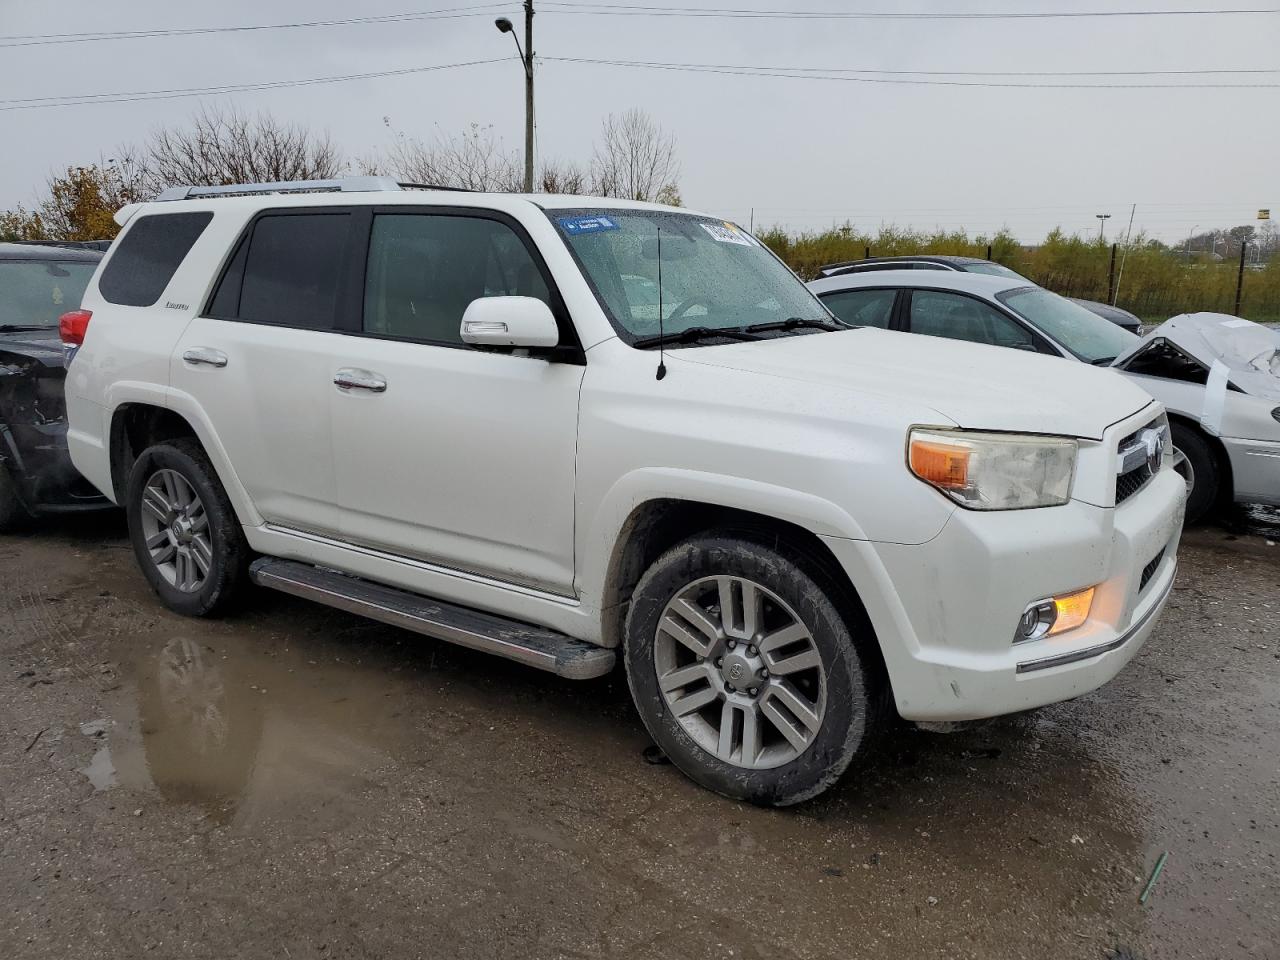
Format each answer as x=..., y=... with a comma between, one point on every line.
x=424, y=270
x=714, y=274
x=1082, y=332
x=36, y=292
x=939, y=314
x=148, y=255
x=862, y=308
x=291, y=271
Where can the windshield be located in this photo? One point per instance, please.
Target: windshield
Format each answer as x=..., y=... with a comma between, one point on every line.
x=714, y=274
x=36, y=292
x=1085, y=334
x=993, y=270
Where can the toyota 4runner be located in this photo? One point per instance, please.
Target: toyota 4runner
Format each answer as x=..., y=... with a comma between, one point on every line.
x=565, y=429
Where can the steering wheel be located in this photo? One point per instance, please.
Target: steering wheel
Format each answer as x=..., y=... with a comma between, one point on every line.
x=686, y=305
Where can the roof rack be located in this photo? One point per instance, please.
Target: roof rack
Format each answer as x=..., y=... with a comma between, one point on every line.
x=336, y=185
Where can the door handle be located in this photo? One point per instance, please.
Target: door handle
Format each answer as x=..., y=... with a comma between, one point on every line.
x=352, y=378
x=205, y=356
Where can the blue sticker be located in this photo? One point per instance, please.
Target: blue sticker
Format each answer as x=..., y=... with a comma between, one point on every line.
x=574, y=226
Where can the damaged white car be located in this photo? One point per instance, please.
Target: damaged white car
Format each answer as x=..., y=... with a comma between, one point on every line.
x=1218, y=375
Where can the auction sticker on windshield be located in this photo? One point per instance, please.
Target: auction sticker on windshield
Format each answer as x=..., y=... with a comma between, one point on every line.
x=728, y=233
x=574, y=226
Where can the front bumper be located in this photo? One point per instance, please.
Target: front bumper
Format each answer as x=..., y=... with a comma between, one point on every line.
x=945, y=611
x=1255, y=470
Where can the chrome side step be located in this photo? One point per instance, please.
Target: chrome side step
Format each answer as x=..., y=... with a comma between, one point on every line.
x=534, y=646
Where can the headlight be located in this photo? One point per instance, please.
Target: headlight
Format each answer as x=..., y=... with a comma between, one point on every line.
x=994, y=471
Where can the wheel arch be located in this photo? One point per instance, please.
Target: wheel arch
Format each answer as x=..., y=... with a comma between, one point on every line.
x=1226, y=484
x=657, y=524
x=136, y=425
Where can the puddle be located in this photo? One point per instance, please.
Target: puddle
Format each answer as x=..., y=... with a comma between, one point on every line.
x=245, y=732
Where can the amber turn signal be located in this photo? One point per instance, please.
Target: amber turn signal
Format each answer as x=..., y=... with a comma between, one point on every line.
x=1072, y=609
x=942, y=464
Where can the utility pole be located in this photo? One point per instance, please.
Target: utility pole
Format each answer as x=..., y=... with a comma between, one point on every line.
x=526, y=60
x=528, y=96
x=1102, y=224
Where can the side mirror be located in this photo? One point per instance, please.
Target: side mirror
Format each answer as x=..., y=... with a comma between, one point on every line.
x=509, y=322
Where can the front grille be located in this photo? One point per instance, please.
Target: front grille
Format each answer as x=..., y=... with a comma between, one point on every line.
x=1127, y=484
x=1133, y=469
x=1149, y=571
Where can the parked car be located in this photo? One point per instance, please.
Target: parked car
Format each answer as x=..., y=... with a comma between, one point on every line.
x=1226, y=430
x=37, y=285
x=470, y=415
x=1121, y=318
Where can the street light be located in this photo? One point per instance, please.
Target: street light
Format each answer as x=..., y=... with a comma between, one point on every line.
x=526, y=60
x=1102, y=224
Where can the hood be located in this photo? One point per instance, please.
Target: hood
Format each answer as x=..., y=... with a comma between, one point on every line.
x=43, y=345
x=976, y=386
x=1246, y=352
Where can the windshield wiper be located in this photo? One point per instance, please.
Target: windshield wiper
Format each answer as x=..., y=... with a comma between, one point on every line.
x=797, y=323
x=1103, y=361
x=695, y=334
x=24, y=327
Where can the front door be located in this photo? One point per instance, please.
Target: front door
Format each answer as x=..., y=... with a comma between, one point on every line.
x=443, y=452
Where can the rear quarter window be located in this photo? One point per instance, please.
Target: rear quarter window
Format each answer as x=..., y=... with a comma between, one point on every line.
x=148, y=256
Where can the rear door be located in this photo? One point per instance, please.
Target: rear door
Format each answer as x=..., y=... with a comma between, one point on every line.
x=259, y=361
x=447, y=453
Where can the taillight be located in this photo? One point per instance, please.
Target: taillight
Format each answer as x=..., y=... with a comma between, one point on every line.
x=72, y=326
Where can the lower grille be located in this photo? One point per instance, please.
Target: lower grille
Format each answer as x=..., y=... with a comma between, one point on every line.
x=1149, y=571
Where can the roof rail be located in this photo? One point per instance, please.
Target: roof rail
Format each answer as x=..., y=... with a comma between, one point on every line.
x=337, y=185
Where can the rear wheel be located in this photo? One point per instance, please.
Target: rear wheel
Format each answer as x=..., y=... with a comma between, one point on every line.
x=185, y=534
x=746, y=674
x=1197, y=464
x=12, y=513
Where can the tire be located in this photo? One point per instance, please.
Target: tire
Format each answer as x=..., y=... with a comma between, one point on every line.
x=217, y=557
x=1200, y=468
x=13, y=515
x=711, y=687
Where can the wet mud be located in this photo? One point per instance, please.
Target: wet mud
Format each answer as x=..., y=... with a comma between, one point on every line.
x=294, y=781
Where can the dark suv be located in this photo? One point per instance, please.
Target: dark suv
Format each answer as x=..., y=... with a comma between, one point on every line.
x=37, y=285
x=1121, y=318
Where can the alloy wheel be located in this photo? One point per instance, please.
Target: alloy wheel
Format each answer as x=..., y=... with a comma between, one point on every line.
x=1182, y=464
x=740, y=671
x=175, y=528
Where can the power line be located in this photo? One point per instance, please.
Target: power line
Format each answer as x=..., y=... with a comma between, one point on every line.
x=801, y=73
x=637, y=10
x=48, y=39
x=71, y=100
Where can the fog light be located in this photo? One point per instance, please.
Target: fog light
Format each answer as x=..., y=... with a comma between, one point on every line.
x=1073, y=610
x=1054, y=615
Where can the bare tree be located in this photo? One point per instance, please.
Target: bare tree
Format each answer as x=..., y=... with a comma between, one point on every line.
x=474, y=160
x=635, y=159
x=558, y=176
x=225, y=146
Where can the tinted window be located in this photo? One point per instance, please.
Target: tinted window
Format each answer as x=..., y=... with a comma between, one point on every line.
x=226, y=301
x=862, y=308
x=292, y=270
x=37, y=292
x=148, y=255
x=424, y=271
x=937, y=314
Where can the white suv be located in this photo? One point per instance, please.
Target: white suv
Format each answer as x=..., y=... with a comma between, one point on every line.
x=560, y=428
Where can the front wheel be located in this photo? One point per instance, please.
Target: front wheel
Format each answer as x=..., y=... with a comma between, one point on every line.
x=746, y=674
x=1197, y=464
x=185, y=534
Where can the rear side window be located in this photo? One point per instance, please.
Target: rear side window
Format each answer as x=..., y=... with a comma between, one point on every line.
x=425, y=270
x=148, y=256
x=288, y=273
x=862, y=308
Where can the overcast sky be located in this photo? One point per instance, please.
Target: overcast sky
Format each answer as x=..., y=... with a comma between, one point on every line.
x=801, y=152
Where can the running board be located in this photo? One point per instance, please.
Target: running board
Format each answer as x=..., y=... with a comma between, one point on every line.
x=533, y=646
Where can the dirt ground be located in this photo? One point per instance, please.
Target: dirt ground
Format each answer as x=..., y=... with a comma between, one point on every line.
x=296, y=782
